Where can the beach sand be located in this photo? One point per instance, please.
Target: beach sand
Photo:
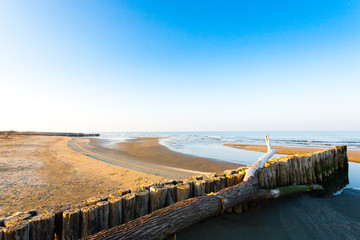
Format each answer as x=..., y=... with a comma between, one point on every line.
x=353, y=155
x=38, y=171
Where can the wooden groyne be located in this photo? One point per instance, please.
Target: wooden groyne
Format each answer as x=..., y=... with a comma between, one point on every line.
x=162, y=209
x=62, y=134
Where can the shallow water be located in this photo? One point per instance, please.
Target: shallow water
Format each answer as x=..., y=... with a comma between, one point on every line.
x=210, y=144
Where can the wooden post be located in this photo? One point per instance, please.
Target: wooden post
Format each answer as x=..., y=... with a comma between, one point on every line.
x=58, y=210
x=217, y=184
x=222, y=181
x=103, y=215
x=17, y=217
x=199, y=188
x=71, y=224
x=42, y=226
x=209, y=185
x=191, y=188
x=115, y=211
x=124, y=191
x=1, y=233
x=157, y=198
x=238, y=208
x=141, y=203
x=170, y=194
x=128, y=203
x=93, y=200
x=17, y=231
x=230, y=180
x=182, y=191
x=88, y=217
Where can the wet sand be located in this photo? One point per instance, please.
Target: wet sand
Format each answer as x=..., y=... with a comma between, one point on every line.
x=353, y=155
x=38, y=171
x=148, y=155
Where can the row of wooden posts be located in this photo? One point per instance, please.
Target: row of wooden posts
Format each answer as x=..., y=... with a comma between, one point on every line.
x=65, y=221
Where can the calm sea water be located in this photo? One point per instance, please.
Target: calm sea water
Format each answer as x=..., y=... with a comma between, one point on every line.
x=210, y=144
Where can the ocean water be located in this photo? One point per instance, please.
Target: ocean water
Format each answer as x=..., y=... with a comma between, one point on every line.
x=210, y=144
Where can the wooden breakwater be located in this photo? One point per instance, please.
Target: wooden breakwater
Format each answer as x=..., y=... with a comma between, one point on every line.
x=62, y=134
x=161, y=209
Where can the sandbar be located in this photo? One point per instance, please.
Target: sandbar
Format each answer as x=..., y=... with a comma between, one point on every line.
x=353, y=155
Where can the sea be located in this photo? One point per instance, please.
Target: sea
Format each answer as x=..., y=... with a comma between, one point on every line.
x=211, y=144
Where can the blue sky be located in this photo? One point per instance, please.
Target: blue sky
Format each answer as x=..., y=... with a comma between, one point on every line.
x=179, y=65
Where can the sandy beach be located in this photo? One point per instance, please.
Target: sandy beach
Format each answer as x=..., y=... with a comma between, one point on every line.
x=38, y=171
x=149, y=150
x=353, y=155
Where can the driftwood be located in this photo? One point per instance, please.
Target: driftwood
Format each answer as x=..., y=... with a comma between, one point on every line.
x=166, y=221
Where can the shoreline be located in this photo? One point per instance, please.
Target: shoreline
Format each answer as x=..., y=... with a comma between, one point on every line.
x=147, y=151
x=353, y=155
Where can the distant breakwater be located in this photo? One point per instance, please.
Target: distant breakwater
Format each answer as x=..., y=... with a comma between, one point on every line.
x=62, y=134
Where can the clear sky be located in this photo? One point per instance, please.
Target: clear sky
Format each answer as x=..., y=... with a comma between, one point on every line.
x=179, y=65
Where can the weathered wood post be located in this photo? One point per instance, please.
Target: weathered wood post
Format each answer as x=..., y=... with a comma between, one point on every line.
x=217, y=184
x=191, y=187
x=128, y=204
x=209, y=185
x=93, y=200
x=182, y=191
x=88, y=217
x=222, y=181
x=58, y=210
x=199, y=188
x=170, y=194
x=141, y=203
x=103, y=215
x=42, y=226
x=115, y=211
x=157, y=197
x=17, y=230
x=71, y=224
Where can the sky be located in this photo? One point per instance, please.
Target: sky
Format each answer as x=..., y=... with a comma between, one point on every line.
x=100, y=66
